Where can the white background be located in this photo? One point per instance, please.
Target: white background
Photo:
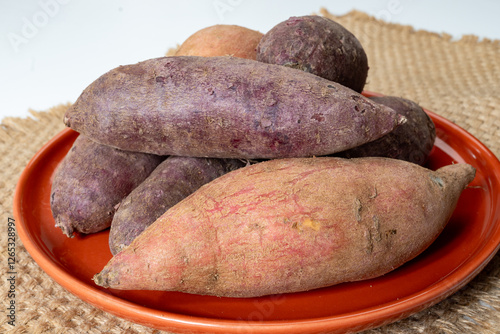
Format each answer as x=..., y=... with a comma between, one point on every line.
x=50, y=50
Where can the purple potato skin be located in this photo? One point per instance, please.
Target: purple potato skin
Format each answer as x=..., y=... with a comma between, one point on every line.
x=225, y=107
x=172, y=181
x=317, y=45
x=92, y=179
x=412, y=141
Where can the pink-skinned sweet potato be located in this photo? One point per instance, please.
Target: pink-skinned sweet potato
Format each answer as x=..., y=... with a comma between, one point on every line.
x=412, y=141
x=173, y=180
x=289, y=225
x=317, y=45
x=92, y=179
x=225, y=107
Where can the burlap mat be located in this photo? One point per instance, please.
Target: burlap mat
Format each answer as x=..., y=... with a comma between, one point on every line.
x=459, y=80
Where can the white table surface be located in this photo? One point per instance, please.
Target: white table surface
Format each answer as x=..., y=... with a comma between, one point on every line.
x=50, y=50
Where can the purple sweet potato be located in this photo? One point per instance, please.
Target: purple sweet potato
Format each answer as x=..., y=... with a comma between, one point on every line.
x=288, y=225
x=91, y=180
x=172, y=181
x=225, y=107
x=411, y=141
x=317, y=45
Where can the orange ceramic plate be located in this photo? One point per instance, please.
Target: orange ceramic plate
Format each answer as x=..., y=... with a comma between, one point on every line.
x=469, y=241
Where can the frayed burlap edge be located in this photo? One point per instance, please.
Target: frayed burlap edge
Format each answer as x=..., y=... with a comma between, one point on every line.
x=361, y=16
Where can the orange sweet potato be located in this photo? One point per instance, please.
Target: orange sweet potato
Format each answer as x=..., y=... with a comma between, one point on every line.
x=289, y=225
x=221, y=40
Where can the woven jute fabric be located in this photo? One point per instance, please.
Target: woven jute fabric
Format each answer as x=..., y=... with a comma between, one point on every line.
x=457, y=79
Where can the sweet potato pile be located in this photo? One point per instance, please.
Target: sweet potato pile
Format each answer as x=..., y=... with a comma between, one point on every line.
x=265, y=170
